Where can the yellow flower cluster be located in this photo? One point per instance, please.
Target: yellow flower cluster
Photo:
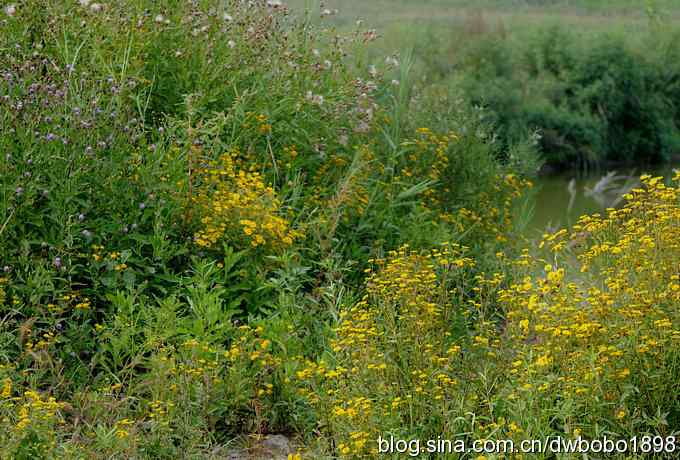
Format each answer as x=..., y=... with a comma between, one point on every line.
x=258, y=120
x=428, y=159
x=237, y=206
x=345, y=179
x=602, y=314
x=395, y=365
x=490, y=217
x=33, y=412
x=289, y=155
x=122, y=428
x=251, y=347
x=160, y=411
x=3, y=281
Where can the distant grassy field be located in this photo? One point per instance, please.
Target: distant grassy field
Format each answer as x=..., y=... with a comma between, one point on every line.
x=407, y=23
x=381, y=12
x=384, y=11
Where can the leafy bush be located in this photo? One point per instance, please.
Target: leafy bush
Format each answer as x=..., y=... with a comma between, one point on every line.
x=595, y=99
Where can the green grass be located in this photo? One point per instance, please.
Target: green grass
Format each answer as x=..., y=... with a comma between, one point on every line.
x=403, y=24
x=585, y=12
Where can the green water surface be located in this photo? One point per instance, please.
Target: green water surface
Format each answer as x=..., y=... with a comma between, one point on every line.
x=556, y=203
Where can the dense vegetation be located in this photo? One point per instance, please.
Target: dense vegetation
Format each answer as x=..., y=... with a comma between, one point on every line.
x=593, y=98
x=217, y=223
x=598, y=83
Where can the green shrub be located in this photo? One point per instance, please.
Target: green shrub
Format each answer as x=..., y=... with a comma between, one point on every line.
x=594, y=98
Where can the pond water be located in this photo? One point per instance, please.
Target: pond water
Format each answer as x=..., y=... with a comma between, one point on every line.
x=559, y=200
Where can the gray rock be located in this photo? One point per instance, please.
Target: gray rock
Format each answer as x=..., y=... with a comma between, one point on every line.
x=277, y=443
x=270, y=447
